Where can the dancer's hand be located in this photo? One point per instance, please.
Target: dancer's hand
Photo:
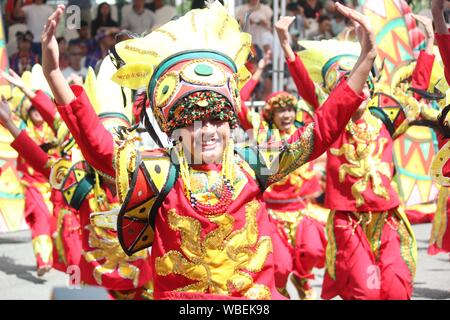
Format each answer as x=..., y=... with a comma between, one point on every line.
x=50, y=49
x=15, y=80
x=437, y=9
x=50, y=60
x=428, y=24
x=361, y=70
x=12, y=78
x=6, y=118
x=363, y=28
x=5, y=112
x=282, y=27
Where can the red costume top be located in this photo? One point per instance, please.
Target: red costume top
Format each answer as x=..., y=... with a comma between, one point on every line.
x=227, y=255
x=359, y=163
x=67, y=242
x=104, y=262
x=291, y=192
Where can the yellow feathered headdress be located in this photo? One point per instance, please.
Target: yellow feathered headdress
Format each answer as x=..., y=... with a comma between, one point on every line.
x=328, y=60
x=112, y=103
x=192, y=67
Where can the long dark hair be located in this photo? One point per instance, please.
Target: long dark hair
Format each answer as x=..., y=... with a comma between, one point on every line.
x=98, y=18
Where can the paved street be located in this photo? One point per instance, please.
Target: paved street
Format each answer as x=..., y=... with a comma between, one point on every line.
x=18, y=278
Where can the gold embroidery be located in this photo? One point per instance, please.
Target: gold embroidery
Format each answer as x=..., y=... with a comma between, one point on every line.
x=364, y=154
x=294, y=155
x=219, y=262
x=43, y=246
x=331, y=247
x=110, y=256
x=408, y=245
x=289, y=220
x=440, y=218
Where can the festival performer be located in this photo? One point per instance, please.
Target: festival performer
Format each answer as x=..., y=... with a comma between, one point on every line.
x=206, y=220
x=66, y=231
x=77, y=189
x=64, y=226
x=289, y=201
x=440, y=233
x=37, y=190
x=369, y=237
x=415, y=76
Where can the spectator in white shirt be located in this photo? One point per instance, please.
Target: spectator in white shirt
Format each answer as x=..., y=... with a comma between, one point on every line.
x=139, y=19
x=75, y=66
x=36, y=15
x=164, y=12
x=259, y=21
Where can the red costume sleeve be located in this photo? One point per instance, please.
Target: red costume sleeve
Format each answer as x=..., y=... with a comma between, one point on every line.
x=330, y=119
x=422, y=72
x=305, y=85
x=46, y=108
x=245, y=93
x=443, y=42
x=247, y=90
x=32, y=153
x=95, y=142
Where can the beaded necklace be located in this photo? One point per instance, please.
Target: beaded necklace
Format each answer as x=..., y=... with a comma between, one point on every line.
x=226, y=189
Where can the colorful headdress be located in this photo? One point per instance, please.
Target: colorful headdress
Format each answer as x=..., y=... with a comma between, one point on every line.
x=278, y=100
x=34, y=80
x=192, y=67
x=328, y=61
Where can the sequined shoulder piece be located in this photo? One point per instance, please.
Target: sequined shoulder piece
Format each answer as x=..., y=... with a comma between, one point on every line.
x=148, y=185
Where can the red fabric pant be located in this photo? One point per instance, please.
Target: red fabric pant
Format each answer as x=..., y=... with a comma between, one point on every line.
x=38, y=218
x=37, y=214
x=307, y=253
x=358, y=274
x=309, y=247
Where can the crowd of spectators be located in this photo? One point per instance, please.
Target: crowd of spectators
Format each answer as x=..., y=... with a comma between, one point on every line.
x=103, y=25
x=100, y=28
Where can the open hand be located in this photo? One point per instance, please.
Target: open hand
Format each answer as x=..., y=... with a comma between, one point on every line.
x=13, y=78
x=50, y=49
x=427, y=23
x=363, y=27
x=282, y=27
x=5, y=112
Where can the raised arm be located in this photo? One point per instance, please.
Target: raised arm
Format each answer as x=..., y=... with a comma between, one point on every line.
x=95, y=142
x=250, y=86
x=442, y=34
x=23, y=144
x=305, y=85
x=424, y=66
x=309, y=142
x=248, y=89
x=50, y=60
x=38, y=98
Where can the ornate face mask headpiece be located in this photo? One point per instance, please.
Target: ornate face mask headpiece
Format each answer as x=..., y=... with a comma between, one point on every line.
x=192, y=67
x=339, y=67
x=193, y=86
